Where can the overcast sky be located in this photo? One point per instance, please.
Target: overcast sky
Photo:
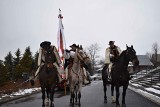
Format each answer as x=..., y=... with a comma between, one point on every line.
x=26, y=23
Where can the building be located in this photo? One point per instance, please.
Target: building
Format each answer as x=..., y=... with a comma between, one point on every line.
x=144, y=64
x=154, y=59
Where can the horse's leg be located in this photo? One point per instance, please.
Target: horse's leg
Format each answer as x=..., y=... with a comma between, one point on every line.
x=43, y=95
x=72, y=97
x=105, y=89
x=79, y=93
x=47, y=92
x=79, y=97
x=76, y=95
x=124, y=95
x=52, y=95
x=112, y=93
x=117, y=96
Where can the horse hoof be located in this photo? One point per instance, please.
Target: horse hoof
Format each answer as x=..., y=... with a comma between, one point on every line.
x=123, y=105
x=52, y=105
x=117, y=105
x=76, y=103
x=113, y=101
x=105, y=101
x=72, y=105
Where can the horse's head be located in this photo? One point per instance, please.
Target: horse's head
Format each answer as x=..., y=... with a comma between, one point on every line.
x=84, y=57
x=131, y=55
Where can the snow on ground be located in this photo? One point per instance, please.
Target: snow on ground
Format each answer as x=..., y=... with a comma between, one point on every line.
x=137, y=85
x=19, y=93
x=146, y=94
x=149, y=95
x=153, y=90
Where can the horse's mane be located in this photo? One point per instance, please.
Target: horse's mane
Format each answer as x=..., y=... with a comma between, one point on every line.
x=122, y=53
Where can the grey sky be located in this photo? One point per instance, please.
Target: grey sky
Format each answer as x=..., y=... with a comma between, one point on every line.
x=28, y=22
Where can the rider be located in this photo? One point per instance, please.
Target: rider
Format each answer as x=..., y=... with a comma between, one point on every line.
x=44, y=48
x=68, y=53
x=69, y=57
x=111, y=56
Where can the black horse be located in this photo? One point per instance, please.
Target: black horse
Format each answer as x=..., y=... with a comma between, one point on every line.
x=119, y=73
x=48, y=78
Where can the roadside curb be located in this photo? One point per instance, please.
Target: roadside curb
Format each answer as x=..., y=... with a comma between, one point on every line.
x=5, y=100
x=145, y=94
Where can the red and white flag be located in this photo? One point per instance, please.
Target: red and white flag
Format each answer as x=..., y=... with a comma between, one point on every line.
x=60, y=37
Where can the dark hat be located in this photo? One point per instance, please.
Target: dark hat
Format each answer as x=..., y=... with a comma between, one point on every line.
x=111, y=42
x=73, y=45
x=45, y=44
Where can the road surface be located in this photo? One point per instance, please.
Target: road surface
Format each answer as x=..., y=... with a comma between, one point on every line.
x=92, y=96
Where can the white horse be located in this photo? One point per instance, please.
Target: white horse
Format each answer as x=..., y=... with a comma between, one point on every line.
x=76, y=76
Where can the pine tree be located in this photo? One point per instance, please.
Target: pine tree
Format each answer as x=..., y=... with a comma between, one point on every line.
x=3, y=73
x=36, y=60
x=16, y=63
x=26, y=62
x=16, y=60
x=9, y=65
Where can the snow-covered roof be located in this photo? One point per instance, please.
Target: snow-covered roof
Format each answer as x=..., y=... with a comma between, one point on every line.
x=144, y=60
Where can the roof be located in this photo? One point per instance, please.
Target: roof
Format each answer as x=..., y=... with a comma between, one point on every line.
x=144, y=60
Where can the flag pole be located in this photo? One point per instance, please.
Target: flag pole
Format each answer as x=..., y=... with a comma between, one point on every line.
x=61, y=43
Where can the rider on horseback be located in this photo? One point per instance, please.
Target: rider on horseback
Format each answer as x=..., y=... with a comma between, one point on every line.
x=69, y=56
x=111, y=56
x=46, y=47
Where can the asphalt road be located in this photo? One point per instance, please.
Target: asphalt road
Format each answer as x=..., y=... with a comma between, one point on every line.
x=92, y=96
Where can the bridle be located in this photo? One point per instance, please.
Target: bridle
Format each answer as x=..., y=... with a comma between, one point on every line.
x=131, y=54
x=82, y=56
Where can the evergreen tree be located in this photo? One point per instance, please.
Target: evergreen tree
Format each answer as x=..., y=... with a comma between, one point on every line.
x=16, y=62
x=36, y=60
x=26, y=62
x=34, y=65
x=9, y=64
x=3, y=73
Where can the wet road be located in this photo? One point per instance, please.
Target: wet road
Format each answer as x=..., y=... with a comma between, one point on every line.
x=92, y=96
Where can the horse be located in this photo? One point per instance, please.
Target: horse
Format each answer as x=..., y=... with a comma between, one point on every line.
x=48, y=78
x=76, y=76
x=120, y=75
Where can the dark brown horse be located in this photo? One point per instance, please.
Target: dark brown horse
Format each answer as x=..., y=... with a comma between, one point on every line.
x=120, y=74
x=48, y=78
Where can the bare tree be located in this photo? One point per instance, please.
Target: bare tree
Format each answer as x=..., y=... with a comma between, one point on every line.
x=155, y=49
x=93, y=50
x=149, y=55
